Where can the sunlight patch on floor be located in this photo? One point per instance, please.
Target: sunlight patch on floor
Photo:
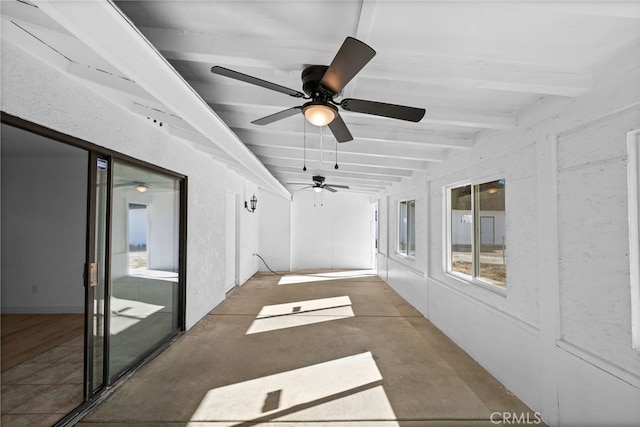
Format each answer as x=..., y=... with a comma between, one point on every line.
x=145, y=273
x=292, y=279
x=300, y=313
x=344, y=389
x=126, y=313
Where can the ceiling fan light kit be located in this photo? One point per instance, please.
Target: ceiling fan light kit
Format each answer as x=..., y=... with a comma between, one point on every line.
x=318, y=113
x=319, y=185
x=141, y=188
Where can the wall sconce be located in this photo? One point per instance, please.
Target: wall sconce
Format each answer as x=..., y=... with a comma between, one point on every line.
x=254, y=202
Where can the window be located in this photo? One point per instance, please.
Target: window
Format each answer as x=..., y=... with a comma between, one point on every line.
x=476, y=232
x=406, y=228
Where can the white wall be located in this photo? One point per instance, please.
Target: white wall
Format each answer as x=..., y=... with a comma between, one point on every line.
x=274, y=213
x=230, y=240
x=43, y=207
x=404, y=274
x=560, y=338
x=163, y=245
x=331, y=230
x=248, y=233
x=316, y=230
x=35, y=92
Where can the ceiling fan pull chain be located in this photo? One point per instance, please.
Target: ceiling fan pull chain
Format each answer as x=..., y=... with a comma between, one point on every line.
x=320, y=168
x=304, y=133
x=336, y=166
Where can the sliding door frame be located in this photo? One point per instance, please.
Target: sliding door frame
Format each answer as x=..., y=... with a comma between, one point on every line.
x=93, y=397
x=112, y=377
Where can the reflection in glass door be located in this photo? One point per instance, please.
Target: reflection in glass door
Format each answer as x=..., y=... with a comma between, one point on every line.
x=145, y=263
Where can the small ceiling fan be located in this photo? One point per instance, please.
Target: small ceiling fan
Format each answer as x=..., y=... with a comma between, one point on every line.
x=139, y=186
x=321, y=84
x=144, y=186
x=319, y=185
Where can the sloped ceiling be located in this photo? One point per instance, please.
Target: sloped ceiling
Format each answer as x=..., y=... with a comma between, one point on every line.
x=475, y=66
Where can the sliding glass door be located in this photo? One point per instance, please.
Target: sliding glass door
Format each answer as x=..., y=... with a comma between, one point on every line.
x=145, y=263
x=135, y=286
x=131, y=244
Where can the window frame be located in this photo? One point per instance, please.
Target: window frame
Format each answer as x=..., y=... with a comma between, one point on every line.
x=633, y=188
x=410, y=236
x=447, y=238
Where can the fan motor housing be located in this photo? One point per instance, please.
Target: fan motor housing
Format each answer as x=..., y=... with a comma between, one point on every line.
x=311, y=77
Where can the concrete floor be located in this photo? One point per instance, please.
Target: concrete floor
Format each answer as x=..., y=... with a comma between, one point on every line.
x=329, y=349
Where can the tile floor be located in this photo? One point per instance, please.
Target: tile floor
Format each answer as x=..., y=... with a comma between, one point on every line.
x=314, y=349
x=45, y=388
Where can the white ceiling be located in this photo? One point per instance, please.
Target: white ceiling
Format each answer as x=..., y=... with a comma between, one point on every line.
x=475, y=66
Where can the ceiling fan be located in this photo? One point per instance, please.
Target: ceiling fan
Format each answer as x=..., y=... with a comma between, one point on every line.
x=144, y=186
x=319, y=185
x=321, y=84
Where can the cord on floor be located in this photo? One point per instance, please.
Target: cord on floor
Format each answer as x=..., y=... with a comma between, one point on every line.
x=265, y=263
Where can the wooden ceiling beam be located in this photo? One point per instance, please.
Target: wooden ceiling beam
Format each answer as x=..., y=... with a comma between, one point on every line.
x=435, y=69
x=357, y=159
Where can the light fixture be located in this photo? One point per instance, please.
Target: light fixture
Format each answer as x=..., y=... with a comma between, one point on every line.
x=253, y=201
x=317, y=189
x=141, y=188
x=319, y=113
x=495, y=186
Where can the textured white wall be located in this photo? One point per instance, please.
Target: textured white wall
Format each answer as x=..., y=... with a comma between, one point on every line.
x=249, y=234
x=406, y=274
x=230, y=240
x=593, y=238
x=275, y=231
x=35, y=92
x=560, y=338
x=331, y=230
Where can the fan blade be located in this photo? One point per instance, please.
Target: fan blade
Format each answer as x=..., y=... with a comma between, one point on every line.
x=277, y=116
x=131, y=184
x=352, y=56
x=297, y=183
x=393, y=111
x=328, y=187
x=340, y=130
x=255, y=81
x=346, y=187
